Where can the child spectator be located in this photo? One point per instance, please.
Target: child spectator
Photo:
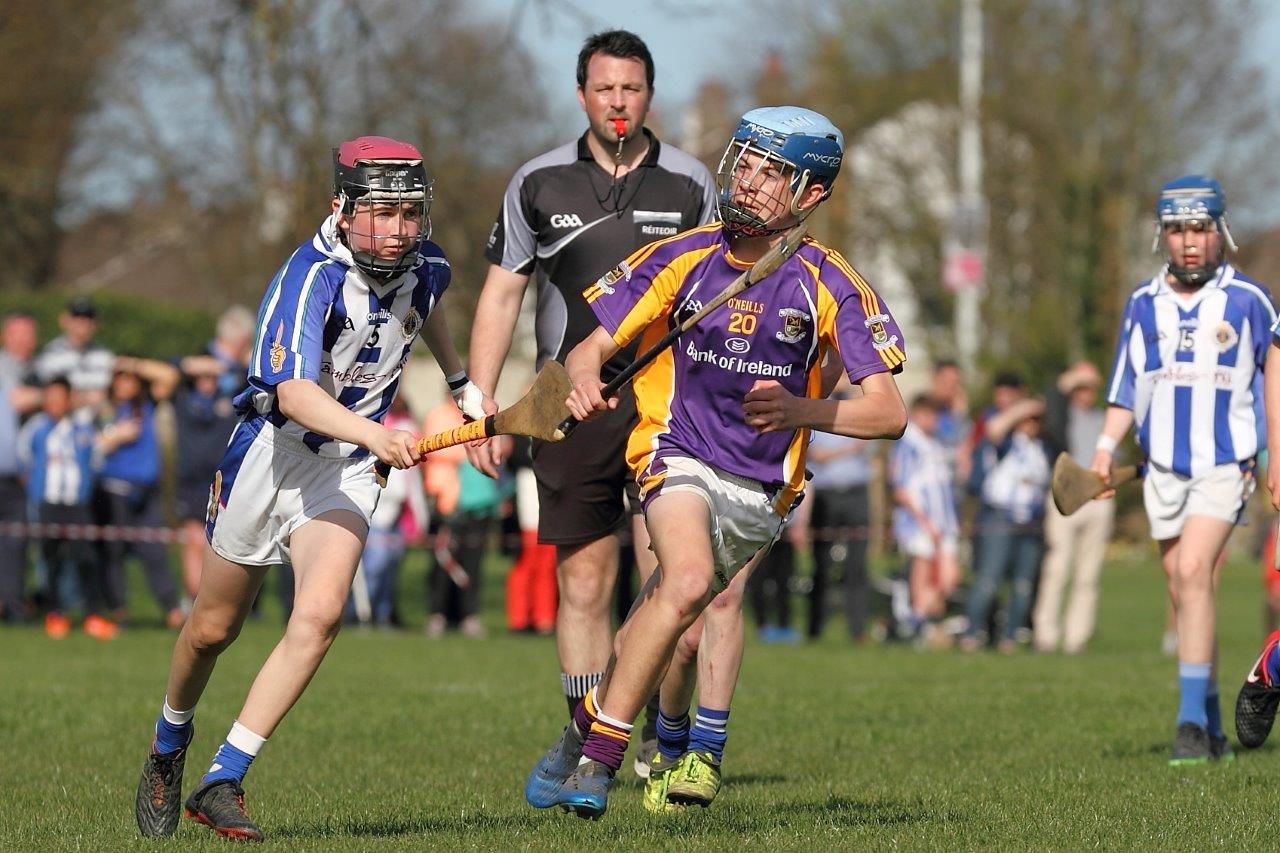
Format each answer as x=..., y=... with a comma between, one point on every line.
x=57, y=450
x=924, y=516
x=128, y=494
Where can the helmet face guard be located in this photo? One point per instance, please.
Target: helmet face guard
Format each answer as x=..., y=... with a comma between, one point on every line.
x=1193, y=199
x=373, y=172
x=799, y=145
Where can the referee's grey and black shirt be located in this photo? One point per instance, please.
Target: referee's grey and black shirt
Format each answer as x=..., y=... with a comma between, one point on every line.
x=565, y=222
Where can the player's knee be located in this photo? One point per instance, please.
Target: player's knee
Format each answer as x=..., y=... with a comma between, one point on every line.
x=686, y=589
x=687, y=648
x=209, y=636
x=1194, y=574
x=318, y=625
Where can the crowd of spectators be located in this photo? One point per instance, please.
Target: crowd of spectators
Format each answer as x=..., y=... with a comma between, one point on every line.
x=106, y=457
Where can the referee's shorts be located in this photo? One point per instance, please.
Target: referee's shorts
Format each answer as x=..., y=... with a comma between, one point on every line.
x=585, y=489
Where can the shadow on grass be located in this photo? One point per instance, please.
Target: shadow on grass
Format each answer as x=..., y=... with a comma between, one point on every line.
x=791, y=814
x=418, y=825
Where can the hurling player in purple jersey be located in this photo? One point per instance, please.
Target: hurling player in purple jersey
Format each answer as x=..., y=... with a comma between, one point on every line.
x=725, y=413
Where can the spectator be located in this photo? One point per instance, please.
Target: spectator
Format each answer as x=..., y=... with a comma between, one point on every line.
x=1075, y=544
x=466, y=502
x=946, y=388
x=841, y=519
x=924, y=517
x=770, y=583
x=74, y=355
x=18, y=398
x=57, y=449
x=204, y=411
x=385, y=547
x=1014, y=489
x=18, y=348
x=531, y=583
x=128, y=494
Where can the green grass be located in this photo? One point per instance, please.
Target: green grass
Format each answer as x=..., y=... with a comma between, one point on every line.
x=401, y=742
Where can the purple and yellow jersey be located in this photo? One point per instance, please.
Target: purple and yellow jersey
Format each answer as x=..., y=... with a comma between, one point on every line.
x=690, y=398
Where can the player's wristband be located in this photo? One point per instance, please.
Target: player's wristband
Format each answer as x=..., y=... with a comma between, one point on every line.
x=457, y=381
x=1106, y=444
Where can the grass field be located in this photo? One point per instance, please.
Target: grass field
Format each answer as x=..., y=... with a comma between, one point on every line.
x=407, y=743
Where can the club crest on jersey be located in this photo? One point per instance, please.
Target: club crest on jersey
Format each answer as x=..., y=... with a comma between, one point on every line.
x=793, y=325
x=277, y=349
x=622, y=272
x=1226, y=336
x=412, y=323
x=211, y=512
x=880, y=337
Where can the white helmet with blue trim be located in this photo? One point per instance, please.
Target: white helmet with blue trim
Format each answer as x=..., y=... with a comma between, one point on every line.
x=803, y=144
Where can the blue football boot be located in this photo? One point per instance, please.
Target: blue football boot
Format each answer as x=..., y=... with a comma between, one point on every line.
x=553, y=769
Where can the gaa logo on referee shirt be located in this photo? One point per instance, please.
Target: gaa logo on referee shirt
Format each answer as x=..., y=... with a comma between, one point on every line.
x=566, y=220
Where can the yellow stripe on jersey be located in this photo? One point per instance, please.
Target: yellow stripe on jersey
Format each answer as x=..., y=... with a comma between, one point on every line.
x=892, y=356
x=655, y=388
x=640, y=255
x=658, y=299
x=793, y=464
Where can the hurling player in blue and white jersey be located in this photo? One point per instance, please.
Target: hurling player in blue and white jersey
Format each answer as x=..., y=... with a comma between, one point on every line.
x=1188, y=375
x=297, y=482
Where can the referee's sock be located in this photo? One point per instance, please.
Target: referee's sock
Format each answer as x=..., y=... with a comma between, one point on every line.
x=173, y=729
x=235, y=755
x=710, y=731
x=576, y=686
x=1193, y=687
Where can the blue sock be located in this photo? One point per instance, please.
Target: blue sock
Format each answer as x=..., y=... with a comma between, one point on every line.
x=1193, y=686
x=673, y=734
x=1271, y=666
x=710, y=731
x=173, y=729
x=234, y=756
x=1213, y=709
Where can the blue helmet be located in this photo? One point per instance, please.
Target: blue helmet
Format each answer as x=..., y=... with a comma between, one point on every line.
x=1187, y=199
x=795, y=138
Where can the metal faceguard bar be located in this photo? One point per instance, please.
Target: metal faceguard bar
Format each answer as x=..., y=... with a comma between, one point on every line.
x=729, y=169
x=1187, y=214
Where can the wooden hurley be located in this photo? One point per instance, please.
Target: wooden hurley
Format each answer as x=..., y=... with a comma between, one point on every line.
x=1074, y=485
x=537, y=414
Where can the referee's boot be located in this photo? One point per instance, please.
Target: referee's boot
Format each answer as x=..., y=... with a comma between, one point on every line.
x=553, y=768
x=1256, y=704
x=158, y=803
x=219, y=805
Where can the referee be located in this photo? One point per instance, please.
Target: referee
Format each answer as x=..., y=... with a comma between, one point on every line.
x=568, y=217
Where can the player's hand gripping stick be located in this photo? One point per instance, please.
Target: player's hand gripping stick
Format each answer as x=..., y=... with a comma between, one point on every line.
x=1075, y=485
x=770, y=262
x=537, y=414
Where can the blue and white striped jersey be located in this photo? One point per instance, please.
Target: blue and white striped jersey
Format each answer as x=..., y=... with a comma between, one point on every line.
x=1190, y=370
x=1018, y=480
x=59, y=458
x=323, y=319
x=918, y=466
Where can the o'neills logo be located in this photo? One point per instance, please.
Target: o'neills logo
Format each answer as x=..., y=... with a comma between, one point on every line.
x=736, y=363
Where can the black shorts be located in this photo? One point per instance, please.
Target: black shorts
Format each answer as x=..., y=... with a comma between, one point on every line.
x=191, y=499
x=584, y=482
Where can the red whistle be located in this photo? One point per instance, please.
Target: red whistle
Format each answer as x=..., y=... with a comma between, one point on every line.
x=620, y=127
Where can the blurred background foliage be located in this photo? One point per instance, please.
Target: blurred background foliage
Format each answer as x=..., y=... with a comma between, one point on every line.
x=164, y=156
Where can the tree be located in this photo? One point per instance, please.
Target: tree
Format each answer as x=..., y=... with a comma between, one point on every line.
x=51, y=55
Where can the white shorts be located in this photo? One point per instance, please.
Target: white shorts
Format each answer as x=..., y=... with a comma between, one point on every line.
x=743, y=520
x=269, y=484
x=1171, y=498
x=922, y=545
